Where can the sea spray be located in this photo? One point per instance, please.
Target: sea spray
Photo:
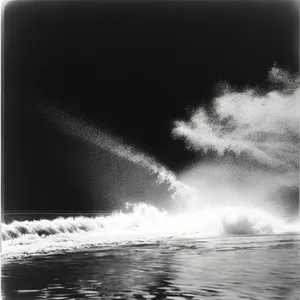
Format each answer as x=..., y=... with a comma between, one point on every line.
x=250, y=142
x=81, y=129
x=260, y=131
x=266, y=127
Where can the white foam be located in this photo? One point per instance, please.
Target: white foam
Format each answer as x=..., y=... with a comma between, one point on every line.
x=145, y=224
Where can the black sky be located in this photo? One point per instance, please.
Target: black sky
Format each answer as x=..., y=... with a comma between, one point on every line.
x=129, y=67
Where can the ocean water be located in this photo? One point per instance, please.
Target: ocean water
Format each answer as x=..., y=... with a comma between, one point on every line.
x=231, y=267
x=148, y=254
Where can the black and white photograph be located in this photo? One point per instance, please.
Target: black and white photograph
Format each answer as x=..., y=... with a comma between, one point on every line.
x=150, y=149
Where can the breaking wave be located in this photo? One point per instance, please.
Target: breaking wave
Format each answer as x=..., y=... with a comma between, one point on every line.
x=143, y=224
x=262, y=127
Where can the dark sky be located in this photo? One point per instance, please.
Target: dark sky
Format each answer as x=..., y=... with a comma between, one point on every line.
x=129, y=67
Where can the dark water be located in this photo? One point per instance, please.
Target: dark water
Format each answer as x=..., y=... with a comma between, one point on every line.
x=239, y=267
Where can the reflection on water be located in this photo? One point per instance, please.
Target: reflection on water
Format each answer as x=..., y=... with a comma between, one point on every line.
x=261, y=267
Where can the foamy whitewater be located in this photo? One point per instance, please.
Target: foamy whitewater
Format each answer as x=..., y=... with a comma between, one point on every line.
x=144, y=224
x=215, y=198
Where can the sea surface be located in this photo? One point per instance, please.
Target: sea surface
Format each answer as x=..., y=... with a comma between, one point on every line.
x=248, y=266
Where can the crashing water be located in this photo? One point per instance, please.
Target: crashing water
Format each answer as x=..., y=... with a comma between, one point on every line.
x=214, y=198
x=144, y=224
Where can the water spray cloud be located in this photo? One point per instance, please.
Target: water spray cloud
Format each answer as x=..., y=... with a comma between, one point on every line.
x=256, y=139
x=264, y=127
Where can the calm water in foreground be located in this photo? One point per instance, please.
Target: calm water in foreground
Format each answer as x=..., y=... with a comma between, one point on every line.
x=237, y=267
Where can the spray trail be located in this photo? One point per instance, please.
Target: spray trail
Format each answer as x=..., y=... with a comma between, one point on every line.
x=94, y=136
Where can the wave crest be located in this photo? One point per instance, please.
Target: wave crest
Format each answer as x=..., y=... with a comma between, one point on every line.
x=143, y=224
